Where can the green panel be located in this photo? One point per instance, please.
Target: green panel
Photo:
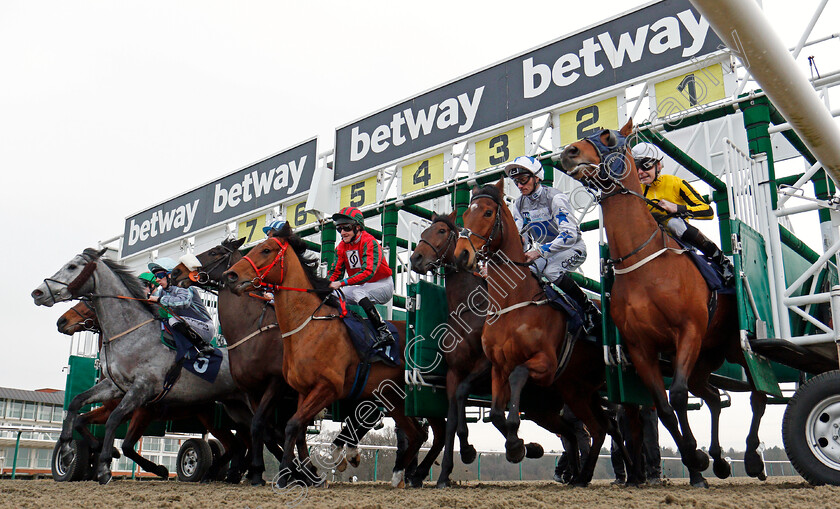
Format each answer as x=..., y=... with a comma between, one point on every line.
x=424, y=401
x=752, y=260
x=81, y=376
x=428, y=312
x=623, y=384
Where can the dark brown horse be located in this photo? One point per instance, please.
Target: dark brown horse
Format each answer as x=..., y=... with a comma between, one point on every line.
x=256, y=356
x=525, y=339
x=662, y=306
x=319, y=360
x=468, y=369
x=82, y=317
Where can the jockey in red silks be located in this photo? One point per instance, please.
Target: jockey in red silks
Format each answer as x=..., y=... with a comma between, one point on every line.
x=368, y=280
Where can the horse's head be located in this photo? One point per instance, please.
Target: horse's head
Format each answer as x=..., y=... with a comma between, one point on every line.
x=436, y=246
x=80, y=317
x=482, y=229
x=73, y=280
x=263, y=264
x=211, y=265
x=599, y=160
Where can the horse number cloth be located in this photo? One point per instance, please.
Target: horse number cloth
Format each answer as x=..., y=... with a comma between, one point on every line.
x=363, y=335
x=206, y=368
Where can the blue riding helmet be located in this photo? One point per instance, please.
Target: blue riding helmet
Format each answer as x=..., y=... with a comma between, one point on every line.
x=162, y=264
x=276, y=224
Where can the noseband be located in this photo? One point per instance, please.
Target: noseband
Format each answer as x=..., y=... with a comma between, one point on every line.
x=497, y=228
x=89, y=324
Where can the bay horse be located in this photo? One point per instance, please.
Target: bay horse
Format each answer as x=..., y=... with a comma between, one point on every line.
x=81, y=317
x=660, y=304
x=255, y=348
x=468, y=369
x=319, y=360
x=528, y=343
x=133, y=360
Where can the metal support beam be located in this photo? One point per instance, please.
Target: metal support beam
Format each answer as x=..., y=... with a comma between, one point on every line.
x=745, y=30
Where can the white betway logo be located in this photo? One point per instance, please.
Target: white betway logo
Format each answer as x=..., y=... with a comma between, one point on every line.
x=260, y=183
x=162, y=222
x=445, y=114
x=664, y=35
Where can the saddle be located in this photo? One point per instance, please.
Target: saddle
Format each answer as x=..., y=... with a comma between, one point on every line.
x=710, y=270
x=363, y=335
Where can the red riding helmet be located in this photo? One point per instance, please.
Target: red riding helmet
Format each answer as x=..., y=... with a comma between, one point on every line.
x=349, y=215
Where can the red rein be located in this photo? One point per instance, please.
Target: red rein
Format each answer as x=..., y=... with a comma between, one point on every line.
x=261, y=273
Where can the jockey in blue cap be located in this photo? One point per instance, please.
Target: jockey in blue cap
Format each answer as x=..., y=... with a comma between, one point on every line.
x=544, y=217
x=193, y=321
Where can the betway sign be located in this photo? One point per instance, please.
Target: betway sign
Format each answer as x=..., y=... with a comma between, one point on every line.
x=618, y=51
x=258, y=186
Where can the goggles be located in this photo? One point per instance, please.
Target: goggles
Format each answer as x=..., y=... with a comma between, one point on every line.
x=522, y=180
x=345, y=228
x=645, y=164
x=161, y=275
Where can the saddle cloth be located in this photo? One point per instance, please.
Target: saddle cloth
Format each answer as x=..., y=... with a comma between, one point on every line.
x=363, y=335
x=206, y=368
x=708, y=269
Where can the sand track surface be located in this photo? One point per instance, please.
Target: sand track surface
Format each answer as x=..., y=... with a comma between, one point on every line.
x=780, y=492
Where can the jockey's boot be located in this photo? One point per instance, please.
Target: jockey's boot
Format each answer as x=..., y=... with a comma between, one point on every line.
x=696, y=238
x=204, y=348
x=384, y=338
x=591, y=314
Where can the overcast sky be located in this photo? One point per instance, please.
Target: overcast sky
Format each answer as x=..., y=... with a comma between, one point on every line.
x=107, y=108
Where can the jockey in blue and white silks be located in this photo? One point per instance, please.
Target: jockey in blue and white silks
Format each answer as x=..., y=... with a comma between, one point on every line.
x=545, y=221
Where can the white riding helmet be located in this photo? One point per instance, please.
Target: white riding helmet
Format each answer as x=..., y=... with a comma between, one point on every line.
x=646, y=150
x=162, y=264
x=522, y=165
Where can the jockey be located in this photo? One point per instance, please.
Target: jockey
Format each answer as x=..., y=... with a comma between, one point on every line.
x=676, y=200
x=149, y=282
x=274, y=226
x=544, y=218
x=368, y=278
x=193, y=321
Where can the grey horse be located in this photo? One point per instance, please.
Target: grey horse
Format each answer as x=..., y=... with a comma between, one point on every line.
x=133, y=360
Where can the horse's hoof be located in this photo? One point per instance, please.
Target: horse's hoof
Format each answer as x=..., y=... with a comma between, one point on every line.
x=753, y=464
x=398, y=479
x=697, y=480
x=104, y=477
x=354, y=457
x=162, y=472
x=534, y=450
x=443, y=484
x=256, y=479
x=115, y=453
x=515, y=450
x=342, y=465
x=468, y=454
x=721, y=468
x=415, y=481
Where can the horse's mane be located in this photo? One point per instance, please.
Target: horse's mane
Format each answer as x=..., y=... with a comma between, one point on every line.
x=310, y=264
x=131, y=282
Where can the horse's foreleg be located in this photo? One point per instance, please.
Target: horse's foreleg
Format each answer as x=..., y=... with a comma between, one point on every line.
x=499, y=401
x=413, y=435
x=98, y=415
x=308, y=406
x=753, y=463
x=439, y=431
x=258, y=433
x=462, y=392
x=140, y=420
x=139, y=393
x=453, y=382
x=515, y=446
x=102, y=391
x=711, y=397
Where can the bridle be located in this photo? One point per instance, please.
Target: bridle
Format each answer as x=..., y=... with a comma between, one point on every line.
x=88, y=324
x=202, y=276
x=259, y=279
x=440, y=252
x=76, y=284
x=466, y=233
